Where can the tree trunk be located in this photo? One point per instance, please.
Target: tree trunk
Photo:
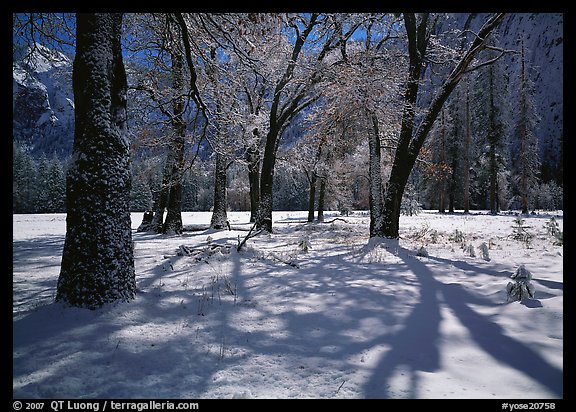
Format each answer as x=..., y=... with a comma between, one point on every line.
x=392, y=201
x=523, y=136
x=467, y=139
x=219, y=215
x=253, y=158
x=312, y=178
x=493, y=180
x=173, y=223
x=452, y=185
x=264, y=214
x=442, y=162
x=388, y=224
x=492, y=139
x=175, y=162
x=160, y=207
x=97, y=260
x=375, y=177
x=409, y=145
x=321, y=198
x=277, y=119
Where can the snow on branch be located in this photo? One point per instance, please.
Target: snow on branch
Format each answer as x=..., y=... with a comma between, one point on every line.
x=502, y=52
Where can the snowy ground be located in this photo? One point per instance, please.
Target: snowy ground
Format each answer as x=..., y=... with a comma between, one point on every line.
x=348, y=318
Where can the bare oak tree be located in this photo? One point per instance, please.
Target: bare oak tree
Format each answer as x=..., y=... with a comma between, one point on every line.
x=412, y=137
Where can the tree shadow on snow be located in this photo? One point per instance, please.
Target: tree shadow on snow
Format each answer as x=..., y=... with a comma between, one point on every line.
x=415, y=348
x=320, y=344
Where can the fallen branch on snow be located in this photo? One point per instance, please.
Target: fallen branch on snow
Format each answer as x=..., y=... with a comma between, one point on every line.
x=335, y=219
x=248, y=236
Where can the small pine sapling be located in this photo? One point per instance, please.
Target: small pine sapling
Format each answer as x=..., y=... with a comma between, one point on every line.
x=484, y=251
x=457, y=236
x=558, y=239
x=469, y=250
x=522, y=288
x=304, y=245
x=553, y=229
x=520, y=233
x=422, y=252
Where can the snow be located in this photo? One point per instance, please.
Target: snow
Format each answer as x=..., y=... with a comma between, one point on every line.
x=344, y=317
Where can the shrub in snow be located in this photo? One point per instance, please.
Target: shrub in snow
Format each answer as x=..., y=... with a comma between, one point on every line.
x=422, y=232
x=484, y=251
x=553, y=229
x=409, y=204
x=469, y=250
x=422, y=252
x=520, y=232
x=522, y=288
x=457, y=236
x=304, y=245
x=558, y=241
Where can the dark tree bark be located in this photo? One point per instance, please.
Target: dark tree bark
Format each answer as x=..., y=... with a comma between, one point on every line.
x=170, y=198
x=467, y=141
x=321, y=198
x=410, y=143
x=453, y=185
x=523, y=134
x=97, y=260
x=264, y=213
x=160, y=206
x=253, y=160
x=312, y=178
x=493, y=137
x=219, y=215
x=442, y=177
x=173, y=223
x=387, y=223
x=375, y=174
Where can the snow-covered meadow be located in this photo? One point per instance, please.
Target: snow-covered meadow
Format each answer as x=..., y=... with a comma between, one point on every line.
x=311, y=311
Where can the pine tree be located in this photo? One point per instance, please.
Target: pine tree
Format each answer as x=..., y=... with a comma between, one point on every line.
x=410, y=204
x=23, y=181
x=42, y=190
x=525, y=150
x=140, y=196
x=522, y=288
x=467, y=148
x=491, y=123
x=56, y=187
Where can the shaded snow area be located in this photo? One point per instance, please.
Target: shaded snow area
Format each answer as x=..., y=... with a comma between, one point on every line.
x=310, y=311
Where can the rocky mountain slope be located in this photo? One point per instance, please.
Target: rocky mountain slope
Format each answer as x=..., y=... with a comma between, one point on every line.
x=43, y=103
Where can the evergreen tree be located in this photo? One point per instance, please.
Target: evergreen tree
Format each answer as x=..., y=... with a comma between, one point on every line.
x=524, y=149
x=467, y=147
x=56, y=187
x=491, y=124
x=410, y=204
x=17, y=178
x=140, y=196
x=42, y=198
x=23, y=181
